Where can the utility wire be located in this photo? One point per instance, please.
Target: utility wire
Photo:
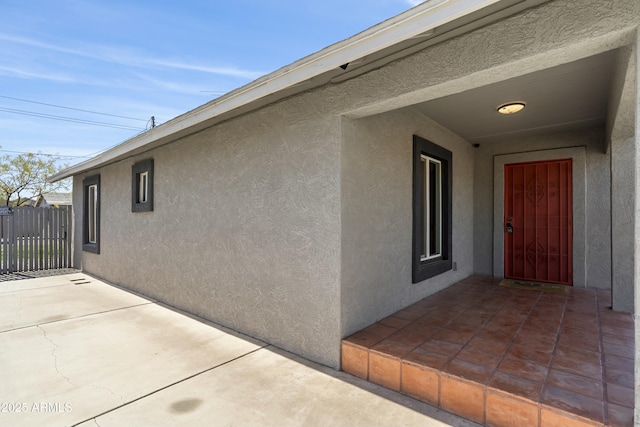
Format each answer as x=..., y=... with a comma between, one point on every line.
x=74, y=120
x=45, y=154
x=71, y=108
x=114, y=145
x=69, y=119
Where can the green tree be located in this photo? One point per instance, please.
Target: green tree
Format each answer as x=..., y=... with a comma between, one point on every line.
x=24, y=176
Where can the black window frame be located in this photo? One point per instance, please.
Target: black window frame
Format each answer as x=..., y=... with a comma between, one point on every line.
x=425, y=269
x=136, y=170
x=88, y=246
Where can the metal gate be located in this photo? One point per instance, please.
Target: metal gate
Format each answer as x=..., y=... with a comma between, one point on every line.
x=35, y=238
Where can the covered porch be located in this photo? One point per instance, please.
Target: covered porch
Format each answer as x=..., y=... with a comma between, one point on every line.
x=505, y=356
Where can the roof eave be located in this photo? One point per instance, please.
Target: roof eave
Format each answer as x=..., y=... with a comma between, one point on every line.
x=420, y=19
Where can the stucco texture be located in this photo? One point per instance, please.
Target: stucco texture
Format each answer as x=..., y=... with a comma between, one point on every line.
x=377, y=182
x=292, y=223
x=591, y=200
x=245, y=230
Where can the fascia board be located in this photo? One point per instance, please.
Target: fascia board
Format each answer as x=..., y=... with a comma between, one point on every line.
x=420, y=19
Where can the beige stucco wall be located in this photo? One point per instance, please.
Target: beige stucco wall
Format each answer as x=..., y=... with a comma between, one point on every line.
x=636, y=234
x=621, y=147
x=555, y=33
x=245, y=230
x=292, y=223
x=623, y=163
x=377, y=182
x=591, y=200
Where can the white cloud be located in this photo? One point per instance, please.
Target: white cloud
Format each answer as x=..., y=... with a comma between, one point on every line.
x=226, y=71
x=123, y=56
x=415, y=2
x=22, y=73
x=177, y=87
x=35, y=43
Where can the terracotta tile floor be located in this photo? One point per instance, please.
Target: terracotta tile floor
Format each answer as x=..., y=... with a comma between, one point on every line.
x=505, y=357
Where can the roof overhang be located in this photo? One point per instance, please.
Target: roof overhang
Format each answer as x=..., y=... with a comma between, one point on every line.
x=422, y=26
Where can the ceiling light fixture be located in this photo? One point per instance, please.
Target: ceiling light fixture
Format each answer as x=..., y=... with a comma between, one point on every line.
x=511, y=107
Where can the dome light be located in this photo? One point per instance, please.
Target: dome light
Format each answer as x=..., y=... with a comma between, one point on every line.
x=511, y=107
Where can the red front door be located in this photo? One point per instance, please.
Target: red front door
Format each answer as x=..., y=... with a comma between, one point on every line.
x=538, y=225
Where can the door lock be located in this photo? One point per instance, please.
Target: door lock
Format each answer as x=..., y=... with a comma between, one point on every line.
x=509, y=228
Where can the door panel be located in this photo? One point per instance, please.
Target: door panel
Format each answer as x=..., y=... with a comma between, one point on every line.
x=538, y=225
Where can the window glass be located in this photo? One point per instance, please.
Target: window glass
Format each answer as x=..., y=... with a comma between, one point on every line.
x=432, y=227
x=93, y=212
x=432, y=208
x=142, y=186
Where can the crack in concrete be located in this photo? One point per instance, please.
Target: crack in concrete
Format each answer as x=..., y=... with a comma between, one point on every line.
x=55, y=363
x=96, y=421
x=121, y=397
x=55, y=358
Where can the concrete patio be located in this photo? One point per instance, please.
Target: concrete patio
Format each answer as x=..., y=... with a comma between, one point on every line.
x=77, y=351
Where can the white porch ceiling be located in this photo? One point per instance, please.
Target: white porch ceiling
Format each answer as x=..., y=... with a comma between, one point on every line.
x=562, y=98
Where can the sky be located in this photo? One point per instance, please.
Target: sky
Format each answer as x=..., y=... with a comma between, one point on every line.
x=80, y=76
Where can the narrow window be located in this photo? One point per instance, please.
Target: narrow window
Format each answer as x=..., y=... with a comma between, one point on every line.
x=91, y=214
x=432, y=229
x=142, y=186
x=432, y=217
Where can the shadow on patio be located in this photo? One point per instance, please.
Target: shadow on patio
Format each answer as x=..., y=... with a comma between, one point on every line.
x=504, y=356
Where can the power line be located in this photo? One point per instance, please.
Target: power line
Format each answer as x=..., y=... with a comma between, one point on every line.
x=70, y=119
x=45, y=154
x=152, y=120
x=114, y=145
x=71, y=108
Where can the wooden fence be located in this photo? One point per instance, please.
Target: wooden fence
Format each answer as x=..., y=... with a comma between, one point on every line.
x=35, y=239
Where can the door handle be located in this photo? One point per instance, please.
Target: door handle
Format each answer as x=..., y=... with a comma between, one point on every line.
x=509, y=228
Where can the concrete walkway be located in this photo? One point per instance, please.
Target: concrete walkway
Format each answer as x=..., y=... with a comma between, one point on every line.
x=77, y=351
